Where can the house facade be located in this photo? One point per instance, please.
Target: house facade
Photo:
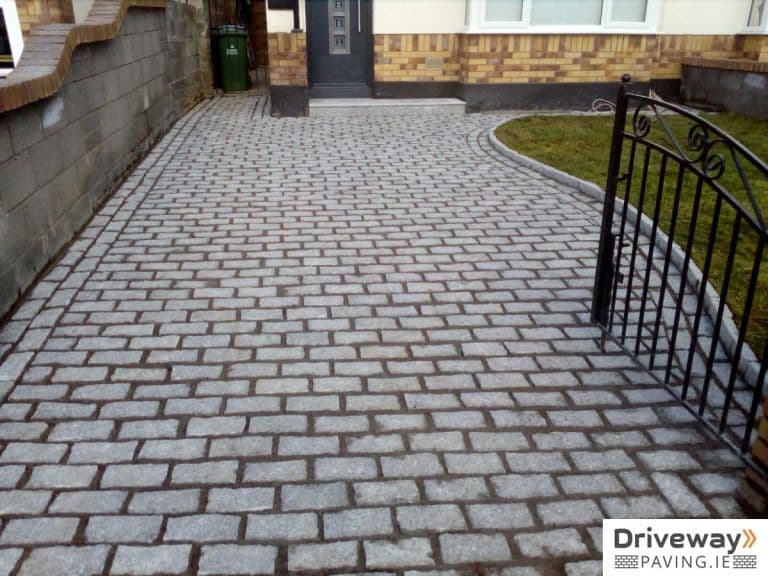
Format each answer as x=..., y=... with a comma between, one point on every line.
x=499, y=53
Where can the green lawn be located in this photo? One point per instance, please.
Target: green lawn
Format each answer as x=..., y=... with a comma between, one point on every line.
x=580, y=146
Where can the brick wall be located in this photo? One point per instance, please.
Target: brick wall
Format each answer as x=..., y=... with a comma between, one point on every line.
x=35, y=12
x=64, y=146
x=287, y=59
x=416, y=57
x=539, y=58
x=755, y=48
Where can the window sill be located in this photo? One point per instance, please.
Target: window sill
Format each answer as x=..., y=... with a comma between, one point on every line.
x=640, y=30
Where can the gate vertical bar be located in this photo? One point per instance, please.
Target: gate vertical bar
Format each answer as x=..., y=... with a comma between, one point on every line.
x=604, y=272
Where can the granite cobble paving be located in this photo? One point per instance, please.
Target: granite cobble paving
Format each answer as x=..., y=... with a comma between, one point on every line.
x=332, y=344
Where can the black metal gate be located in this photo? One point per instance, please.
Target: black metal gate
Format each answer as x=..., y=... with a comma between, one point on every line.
x=679, y=281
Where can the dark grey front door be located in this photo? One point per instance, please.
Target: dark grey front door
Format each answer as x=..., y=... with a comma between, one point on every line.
x=339, y=37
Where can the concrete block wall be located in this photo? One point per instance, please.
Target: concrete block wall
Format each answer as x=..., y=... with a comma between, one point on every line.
x=61, y=156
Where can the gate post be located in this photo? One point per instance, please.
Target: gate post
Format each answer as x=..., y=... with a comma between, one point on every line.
x=604, y=271
x=755, y=489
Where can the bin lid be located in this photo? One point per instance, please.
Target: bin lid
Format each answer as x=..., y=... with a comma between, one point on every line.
x=231, y=30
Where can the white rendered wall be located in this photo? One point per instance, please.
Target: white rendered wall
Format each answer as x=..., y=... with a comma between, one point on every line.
x=704, y=16
x=418, y=16
x=282, y=20
x=81, y=9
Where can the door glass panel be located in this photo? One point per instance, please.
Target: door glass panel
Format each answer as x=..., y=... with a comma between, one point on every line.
x=503, y=10
x=756, y=13
x=6, y=57
x=566, y=12
x=338, y=24
x=629, y=10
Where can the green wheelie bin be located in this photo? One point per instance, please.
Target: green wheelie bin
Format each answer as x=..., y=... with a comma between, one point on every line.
x=233, y=57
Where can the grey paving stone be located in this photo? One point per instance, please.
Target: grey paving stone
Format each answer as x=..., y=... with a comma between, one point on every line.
x=229, y=559
x=635, y=507
x=113, y=529
x=81, y=560
x=88, y=502
x=219, y=472
x=345, y=468
x=537, y=462
x=165, y=502
x=524, y=486
x=313, y=496
x=202, y=528
x=9, y=558
x=470, y=463
x=322, y=556
x=16, y=502
x=282, y=471
x=102, y=452
x=134, y=475
x=217, y=426
x=448, y=490
x=147, y=560
x=28, y=531
x=185, y=449
x=268, y=527
x=473, y=548
x=61, y=476
x=551, y=544
x=30, y=452
x=590, y=484
x=499, y=516
x=680, y=497
x=421, y=464
x=398, y=553
x=435, y=518
x=357, y=523
x=388, y=492
x=240, y=499
x=569, y=512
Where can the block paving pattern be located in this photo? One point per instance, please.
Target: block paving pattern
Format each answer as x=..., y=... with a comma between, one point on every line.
x=332, y=344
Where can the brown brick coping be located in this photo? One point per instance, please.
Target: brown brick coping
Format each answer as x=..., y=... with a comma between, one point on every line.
x=728, y=64
x=48, y=51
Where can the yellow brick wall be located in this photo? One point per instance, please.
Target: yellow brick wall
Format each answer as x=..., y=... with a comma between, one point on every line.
x=540, y=58
x=34, y=12
x=755, y=48
x=287, y=59
x=404, y=57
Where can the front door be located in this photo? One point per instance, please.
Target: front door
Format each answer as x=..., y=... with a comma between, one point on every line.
x=339, y=46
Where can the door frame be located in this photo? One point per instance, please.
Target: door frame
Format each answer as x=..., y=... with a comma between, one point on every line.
x=369, y=44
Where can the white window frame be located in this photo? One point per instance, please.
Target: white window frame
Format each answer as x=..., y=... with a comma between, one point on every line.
x=477, y=24
x=761, y=28
x=13, y=25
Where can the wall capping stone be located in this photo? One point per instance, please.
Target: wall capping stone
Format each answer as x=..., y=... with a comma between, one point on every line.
x=48, y=51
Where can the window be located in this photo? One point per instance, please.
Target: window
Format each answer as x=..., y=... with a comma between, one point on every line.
x=11, y=40
x=562, y=15
x=6, y=55
x=757, y=21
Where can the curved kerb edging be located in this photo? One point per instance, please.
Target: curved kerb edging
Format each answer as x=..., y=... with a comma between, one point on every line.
x=749, y=366
x=49, y=48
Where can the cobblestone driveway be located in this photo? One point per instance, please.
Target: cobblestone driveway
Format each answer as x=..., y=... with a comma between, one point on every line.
x=331, y=344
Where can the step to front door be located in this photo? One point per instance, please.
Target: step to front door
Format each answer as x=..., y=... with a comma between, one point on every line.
x=320, y=107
